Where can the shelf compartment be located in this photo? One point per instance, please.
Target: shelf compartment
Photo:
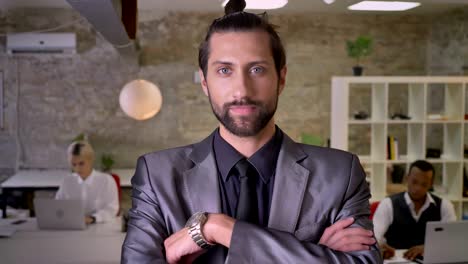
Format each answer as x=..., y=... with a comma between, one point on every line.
x=434, y=140
x=361, y=95
x=445, y=101
x=435, y=100
x=379, y=101
x=416, y=98
x=451, y=181
x=378, y=184
x=379, y=142
x=399, y=134
x=416, y=135
x=453, y=141
x=398, y=101
x=359, y=139
x=454, y=101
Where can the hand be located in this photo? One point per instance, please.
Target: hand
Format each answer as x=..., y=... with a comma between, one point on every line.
x=413, y=252
x=218, y=229
x=341, y=238
x=88, y=220
x=387, y=251
x=180, y=248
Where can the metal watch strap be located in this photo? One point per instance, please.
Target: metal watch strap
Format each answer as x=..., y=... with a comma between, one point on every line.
x=197, y=237
x=195, y=225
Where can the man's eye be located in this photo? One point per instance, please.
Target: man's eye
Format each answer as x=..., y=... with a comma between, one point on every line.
x=224, y=71
x=257, y=70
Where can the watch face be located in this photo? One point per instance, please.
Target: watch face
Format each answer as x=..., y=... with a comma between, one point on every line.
x=197, y=218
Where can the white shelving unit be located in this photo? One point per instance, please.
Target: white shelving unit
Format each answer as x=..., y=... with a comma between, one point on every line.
x=414, y=97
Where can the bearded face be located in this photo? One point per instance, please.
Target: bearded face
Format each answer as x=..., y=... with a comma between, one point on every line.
x=242, y=82
x=244, y=117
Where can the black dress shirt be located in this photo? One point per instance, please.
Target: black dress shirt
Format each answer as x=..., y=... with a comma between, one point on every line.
x=264, y=160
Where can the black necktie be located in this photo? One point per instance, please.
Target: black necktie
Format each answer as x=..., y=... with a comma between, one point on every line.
x=247, y=205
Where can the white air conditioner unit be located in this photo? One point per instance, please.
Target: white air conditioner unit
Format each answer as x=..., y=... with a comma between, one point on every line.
x=57, y=43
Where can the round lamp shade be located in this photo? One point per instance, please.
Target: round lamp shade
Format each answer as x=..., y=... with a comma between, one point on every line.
x=140, y=99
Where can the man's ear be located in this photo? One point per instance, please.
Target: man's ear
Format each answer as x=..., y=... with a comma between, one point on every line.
x=282, y=79
x=203, y=81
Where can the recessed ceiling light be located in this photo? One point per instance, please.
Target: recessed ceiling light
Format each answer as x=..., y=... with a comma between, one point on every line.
x=383, y=6
x=265, y=4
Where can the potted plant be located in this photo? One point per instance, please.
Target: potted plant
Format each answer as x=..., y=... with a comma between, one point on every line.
x=107, y=161
x=80, y=137
x=357, y=49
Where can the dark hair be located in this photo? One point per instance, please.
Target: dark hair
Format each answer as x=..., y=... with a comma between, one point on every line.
x=424, y=166
x=76, y=150
x=240, y=21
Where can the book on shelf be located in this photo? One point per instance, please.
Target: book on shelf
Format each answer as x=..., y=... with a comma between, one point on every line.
x=392, y=148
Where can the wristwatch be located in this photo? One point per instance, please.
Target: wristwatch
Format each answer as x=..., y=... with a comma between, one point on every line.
x=195, y=225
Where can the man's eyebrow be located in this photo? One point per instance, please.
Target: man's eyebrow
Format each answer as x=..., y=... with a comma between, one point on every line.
x=230, y=63
x=258, y=62
x=221, y=62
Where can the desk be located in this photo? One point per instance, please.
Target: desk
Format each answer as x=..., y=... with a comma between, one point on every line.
x=31, y=180
x=53, y=178
x=99, y=243
x=398, y=258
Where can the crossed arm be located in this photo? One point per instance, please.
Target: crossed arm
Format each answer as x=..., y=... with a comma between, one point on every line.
x=180, y=248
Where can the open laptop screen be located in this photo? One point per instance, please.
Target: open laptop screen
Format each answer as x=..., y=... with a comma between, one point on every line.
x=59, y=214
x=445, y=242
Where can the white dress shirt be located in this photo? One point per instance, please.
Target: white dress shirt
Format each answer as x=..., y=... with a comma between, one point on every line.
x=98, y=192
x=383, y=216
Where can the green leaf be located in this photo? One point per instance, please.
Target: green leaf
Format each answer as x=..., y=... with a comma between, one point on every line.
x=79, y=137
x=107, y=161
x=360, y=47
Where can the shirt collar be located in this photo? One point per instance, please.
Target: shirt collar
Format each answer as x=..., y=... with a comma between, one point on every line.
x=89, y=179
x=429, y=199
x=264, y=160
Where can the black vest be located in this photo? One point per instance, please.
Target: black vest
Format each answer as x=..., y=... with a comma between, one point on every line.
x=405, y=232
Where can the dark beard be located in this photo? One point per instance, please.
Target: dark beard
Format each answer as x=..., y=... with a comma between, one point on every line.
x=244, y=126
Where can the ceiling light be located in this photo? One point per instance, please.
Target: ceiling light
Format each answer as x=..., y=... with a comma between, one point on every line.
x=328, y=1
x=383, y=6
x=265, y=4
x=140, y=99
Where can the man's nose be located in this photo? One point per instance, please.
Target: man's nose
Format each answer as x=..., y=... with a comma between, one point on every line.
x=243, y=86
x=417, y=189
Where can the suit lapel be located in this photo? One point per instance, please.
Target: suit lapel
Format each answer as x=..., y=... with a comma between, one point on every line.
x=291, y=179
x=201, y=181
x=290, y=185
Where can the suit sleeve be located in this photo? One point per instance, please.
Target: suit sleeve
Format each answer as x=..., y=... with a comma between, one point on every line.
x=146, y=229
x=253, y=244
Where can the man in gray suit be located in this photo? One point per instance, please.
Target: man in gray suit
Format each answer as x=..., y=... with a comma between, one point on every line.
x=248, y=193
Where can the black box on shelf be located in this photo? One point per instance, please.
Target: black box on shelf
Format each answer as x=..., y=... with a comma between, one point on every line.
x=433, y=153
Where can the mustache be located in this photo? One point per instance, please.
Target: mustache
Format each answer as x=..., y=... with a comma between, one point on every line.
x=243, y=101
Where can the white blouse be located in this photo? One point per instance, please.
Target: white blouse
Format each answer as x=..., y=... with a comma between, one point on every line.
x=98, y=192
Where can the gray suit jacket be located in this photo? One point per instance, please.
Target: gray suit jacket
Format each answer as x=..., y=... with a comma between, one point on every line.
x=314, y=188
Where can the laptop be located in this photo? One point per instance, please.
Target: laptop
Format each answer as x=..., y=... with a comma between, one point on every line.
x=445, y=242
x=59, y=214
x=7, y=231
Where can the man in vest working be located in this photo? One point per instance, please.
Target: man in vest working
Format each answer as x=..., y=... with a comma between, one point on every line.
x=400, y=220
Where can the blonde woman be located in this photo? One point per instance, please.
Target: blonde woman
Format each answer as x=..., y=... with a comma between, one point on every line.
x=97, y=190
